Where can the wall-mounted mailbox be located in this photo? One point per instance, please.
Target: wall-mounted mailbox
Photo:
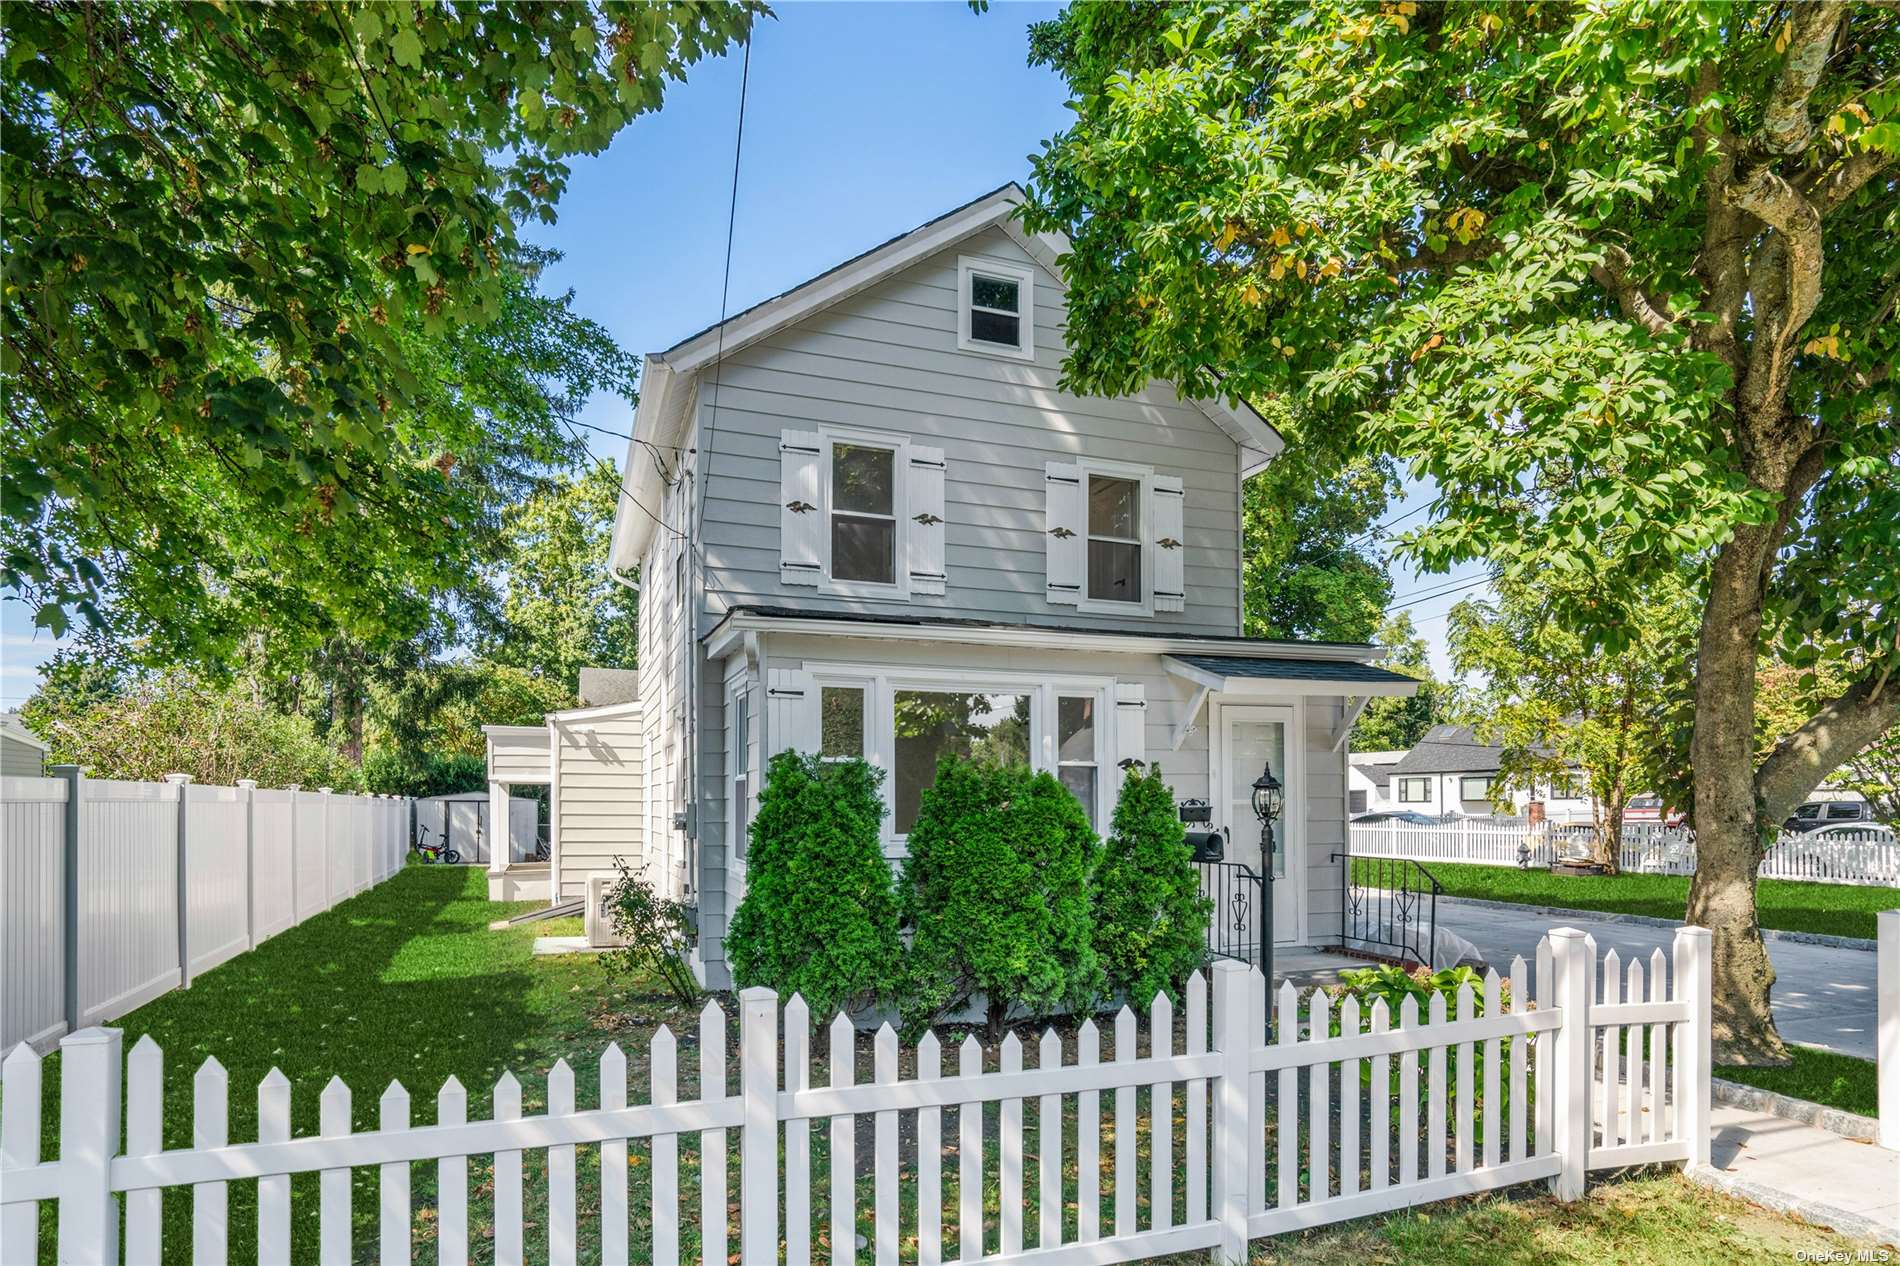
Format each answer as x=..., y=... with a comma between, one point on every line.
x=1208, y=846
x=1193, y=811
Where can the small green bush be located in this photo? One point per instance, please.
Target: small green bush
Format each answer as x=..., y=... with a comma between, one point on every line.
x=819, y=916
x=1150, y=916
x=996, y=893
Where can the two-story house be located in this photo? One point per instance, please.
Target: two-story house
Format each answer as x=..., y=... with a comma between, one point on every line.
x=866, y=520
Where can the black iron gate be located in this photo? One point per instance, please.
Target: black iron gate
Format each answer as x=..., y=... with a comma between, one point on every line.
x=1391, y=907
x=1237, y=927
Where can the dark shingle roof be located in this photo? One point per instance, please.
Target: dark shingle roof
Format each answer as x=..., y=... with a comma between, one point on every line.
x=1449, y=749
x=1295, y=669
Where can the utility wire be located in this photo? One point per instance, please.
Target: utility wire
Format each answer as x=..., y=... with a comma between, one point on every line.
x=725, y=281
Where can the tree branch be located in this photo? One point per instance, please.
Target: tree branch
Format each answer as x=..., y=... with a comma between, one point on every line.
x=1840, y=730
x=1613, y=275
x=1835, y=185
x=1785, y=126
x=1725, y=230
x=1784, y=285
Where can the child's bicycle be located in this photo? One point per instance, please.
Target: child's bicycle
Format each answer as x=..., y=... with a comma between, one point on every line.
x=436, y=852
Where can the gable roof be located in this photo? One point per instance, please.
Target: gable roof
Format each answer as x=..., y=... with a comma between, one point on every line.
x=669, y=380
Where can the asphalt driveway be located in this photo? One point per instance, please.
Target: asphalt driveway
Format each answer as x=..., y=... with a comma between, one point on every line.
x=1823, y=996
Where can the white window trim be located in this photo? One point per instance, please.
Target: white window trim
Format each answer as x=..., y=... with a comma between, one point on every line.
x=1399, y=791
x=1467, y=778
x=899, y=589
x=1144, y=533
x=882, y=682
x=738, y=765
x=1025, y=277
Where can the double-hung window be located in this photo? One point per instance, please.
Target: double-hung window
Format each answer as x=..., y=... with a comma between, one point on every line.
x=863, y=513
x=996, y=311
x=739, y=758
x=1078, y=761
x=1114, y=539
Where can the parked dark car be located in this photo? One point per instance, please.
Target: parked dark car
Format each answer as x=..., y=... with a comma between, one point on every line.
x=1396, y=815
x=1819, y=813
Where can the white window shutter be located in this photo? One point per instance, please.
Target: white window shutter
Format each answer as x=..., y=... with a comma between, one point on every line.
x=801, y=512
x=1131, y=722
x=791, y=712
x=923, y=550
x=1066, y=539
x=1170, y=586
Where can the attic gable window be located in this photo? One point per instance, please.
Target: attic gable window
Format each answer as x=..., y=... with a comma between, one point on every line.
x=996, y=312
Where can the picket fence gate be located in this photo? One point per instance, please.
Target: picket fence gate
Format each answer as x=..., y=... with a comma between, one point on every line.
x=1597, y=1078
x=114, y=892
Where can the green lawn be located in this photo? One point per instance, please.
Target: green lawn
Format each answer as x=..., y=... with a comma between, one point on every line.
x=1838, y=1081
x=1836, y=909
x=1658, y=1219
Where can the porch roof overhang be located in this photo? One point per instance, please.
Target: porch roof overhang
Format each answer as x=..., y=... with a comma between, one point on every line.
x=1281, y=675
x=1272, y=676
x=744, y=619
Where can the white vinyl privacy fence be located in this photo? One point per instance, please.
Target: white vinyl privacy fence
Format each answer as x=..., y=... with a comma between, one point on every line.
x=1648, y=848
x=1334, y=1112
x=112, y=893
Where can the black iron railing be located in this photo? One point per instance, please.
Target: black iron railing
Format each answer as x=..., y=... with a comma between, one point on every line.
x=1391, y=907
x=1237, y=928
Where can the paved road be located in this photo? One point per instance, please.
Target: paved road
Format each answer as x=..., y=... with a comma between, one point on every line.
x=1823, y=996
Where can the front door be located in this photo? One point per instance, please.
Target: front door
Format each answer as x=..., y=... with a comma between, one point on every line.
x=1251, y=737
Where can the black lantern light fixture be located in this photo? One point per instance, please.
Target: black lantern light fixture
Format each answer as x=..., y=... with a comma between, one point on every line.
x=1269, y=799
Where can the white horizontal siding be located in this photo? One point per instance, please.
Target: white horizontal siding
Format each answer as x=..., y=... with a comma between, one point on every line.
x=602, y=783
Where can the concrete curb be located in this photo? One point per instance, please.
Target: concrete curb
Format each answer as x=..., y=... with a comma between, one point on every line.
x=1863, y=944
x=1852, y=1225
x=1849, y=1125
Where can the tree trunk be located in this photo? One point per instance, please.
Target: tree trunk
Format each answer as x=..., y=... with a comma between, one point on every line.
x=1727, y=829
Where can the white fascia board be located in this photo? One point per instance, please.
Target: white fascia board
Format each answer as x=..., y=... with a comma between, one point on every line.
x=515, y=731
x=1263, y=687
x=666, y=405
x=728, y=632
x=599, y=712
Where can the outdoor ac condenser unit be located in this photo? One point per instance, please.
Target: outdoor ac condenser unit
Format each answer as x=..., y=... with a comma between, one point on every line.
x=599, y=926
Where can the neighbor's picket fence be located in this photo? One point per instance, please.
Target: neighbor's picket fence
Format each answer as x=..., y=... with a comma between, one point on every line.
x=112, y=893
x=1648, y=848
x=1272, y=1134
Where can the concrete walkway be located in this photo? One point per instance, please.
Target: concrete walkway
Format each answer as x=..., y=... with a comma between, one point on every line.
x=1823, y=1178
x=1824, y=996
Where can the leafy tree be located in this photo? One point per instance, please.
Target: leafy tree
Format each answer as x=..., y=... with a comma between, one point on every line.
x=1308, y=523
x=996, y=891
x=1555, y=703
x=819, y=917
x=1618, y=278
x=561, y=610
x=1150, y=916
x=250, y=253
x=1393, y=723
x=1788, y=695
x=181, y=724
x=423, y=774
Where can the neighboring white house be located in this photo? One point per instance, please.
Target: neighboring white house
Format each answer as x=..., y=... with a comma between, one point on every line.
x=22, y=754
x=867, y=520
x=1450, y=772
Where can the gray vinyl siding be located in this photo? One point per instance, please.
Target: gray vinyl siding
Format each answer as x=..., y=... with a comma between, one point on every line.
x=601, y=773
x=20, y=760
x=887, y=360
x=1325, y=820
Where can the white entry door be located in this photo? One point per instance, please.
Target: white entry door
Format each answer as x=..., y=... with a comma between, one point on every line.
x=1250, y=739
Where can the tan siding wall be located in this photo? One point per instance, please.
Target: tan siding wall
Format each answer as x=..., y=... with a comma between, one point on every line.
x=602, y=772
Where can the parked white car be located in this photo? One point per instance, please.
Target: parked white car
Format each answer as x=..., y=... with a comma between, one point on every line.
x=1853, y=833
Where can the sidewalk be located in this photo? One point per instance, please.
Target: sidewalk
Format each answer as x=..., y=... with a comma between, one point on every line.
x=1853, y=1188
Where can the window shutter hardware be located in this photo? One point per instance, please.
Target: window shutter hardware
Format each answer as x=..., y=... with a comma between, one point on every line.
x=928, y=520
x=1062, y=534
x=800, y=507
x=1168, y=542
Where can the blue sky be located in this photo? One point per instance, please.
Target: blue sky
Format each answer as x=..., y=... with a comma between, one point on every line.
x=862, y=121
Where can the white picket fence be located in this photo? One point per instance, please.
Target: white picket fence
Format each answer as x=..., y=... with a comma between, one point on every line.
x=1271, y=1134
x=1648, y=848
x=112, y=893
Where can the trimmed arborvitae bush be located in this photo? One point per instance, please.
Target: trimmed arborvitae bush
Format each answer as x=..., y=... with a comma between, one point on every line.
x=1150, y=916
x=996, y=894
x=819, y=916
